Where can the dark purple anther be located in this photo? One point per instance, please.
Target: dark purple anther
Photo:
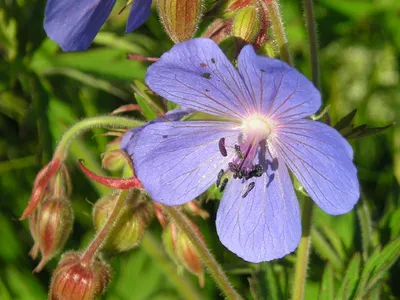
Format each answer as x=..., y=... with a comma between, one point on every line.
x=249, y=188
x=223, y=185
x=222, y=148
x=220, y=174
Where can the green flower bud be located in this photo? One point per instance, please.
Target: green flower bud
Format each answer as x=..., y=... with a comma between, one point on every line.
x=132, y=222
x=54, y=223
x=246, y=25
x=181, y=250
x=113, y=160
x=180, y=17
x=228, y=9
x=75, y=280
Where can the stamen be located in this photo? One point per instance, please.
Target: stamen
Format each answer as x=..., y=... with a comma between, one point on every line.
x=239, y=152
x=257, y=171
x=220, y=174
x=222, y=148
x=223, y=185
x=249, y=188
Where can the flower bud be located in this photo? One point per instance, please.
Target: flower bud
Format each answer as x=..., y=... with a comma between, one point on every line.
x=113, y=160
x=180, y=17
x=228, y=9
x=246, y=25
x=132, y=222
x=182, y=251
x=75, y=280
x=54, y=227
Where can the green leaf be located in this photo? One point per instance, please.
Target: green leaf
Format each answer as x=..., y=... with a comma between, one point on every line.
x=363, y=131
x=326, y=290
x=149, y=102
x=377, y=265
x=345, y=121
x=325, y=250
x=349, y=283
x=365, y=222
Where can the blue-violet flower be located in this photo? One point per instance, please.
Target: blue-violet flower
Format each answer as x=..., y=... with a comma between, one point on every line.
x=264, y=132
x=75, y=24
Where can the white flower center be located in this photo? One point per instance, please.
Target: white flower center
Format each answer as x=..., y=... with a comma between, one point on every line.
x=257, y=127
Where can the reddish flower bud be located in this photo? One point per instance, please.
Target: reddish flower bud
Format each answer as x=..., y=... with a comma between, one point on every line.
x=180, y=17
x=132, y=222
x=54, y=226
x=75, y=280
x=181, y=250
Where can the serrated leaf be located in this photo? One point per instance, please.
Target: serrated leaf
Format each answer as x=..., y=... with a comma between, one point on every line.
x=345, y=121
x=377, y=265
x=349, y=283
x=363, y=131
x=327, y=288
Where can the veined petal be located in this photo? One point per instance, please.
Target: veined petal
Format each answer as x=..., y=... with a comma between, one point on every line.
x=279, y=90
x=197, y=74
x=265, y=225
x=74, y=24
x=177, y=161
x=320, y=159
x=140, y=12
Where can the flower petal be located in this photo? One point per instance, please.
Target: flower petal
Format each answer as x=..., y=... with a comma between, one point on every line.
x=177, y=161
x=176, y=114
x=320, y=159
x=197, y=74
x=140, y=12
x=279, y=90
x=74, y=24
x=265, y=225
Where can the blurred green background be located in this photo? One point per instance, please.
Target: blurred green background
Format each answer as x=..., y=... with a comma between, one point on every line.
x=44, y=91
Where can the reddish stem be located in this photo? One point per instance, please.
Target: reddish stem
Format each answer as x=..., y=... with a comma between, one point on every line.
x=115, y=183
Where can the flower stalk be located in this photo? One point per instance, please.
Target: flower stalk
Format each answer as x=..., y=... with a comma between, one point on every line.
x=105, y=231
x=278, y=30
x=208, y=259
x=303, y=251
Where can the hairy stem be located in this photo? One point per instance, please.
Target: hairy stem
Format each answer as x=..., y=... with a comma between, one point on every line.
x=278, y=29
x=303, y=251
x=86, y=124
x=313, y=42
x=208, y=259
x=105, y=231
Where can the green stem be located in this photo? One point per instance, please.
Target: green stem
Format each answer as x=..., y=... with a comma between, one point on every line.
x=313, y=42
x=208, y=259
x=303, y=251
x=105, y=231
x=300, y=272
x=183, y=285
x=86, y=124
x=278, y=30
